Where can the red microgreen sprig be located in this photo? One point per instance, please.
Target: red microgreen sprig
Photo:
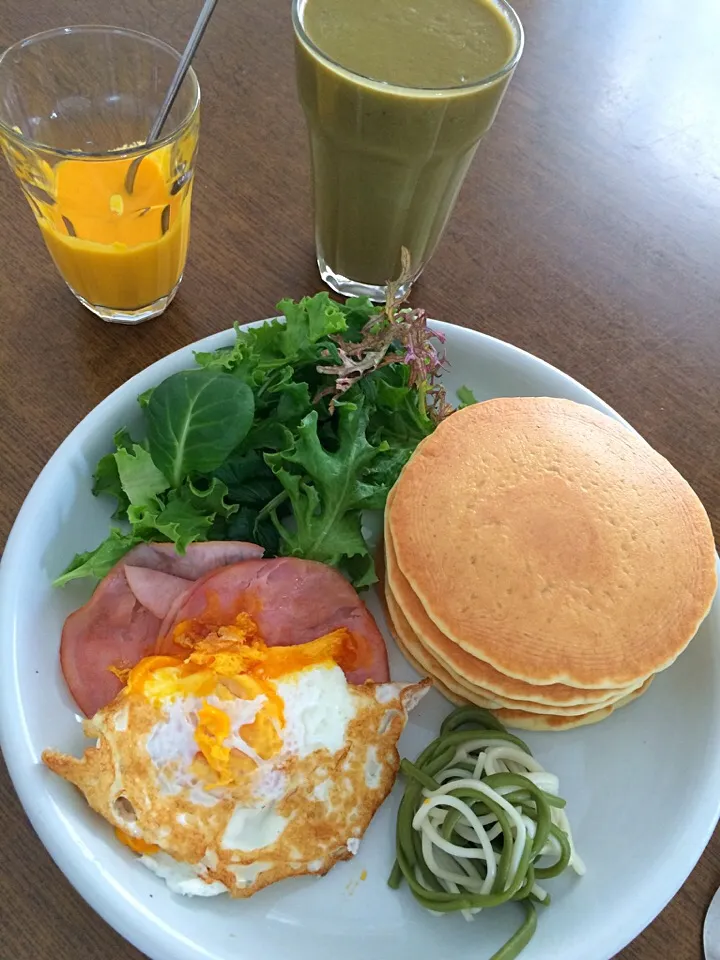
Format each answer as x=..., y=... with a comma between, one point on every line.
x=396, y=334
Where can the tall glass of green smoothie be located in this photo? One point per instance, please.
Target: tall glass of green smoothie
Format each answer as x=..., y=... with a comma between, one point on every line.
x=397, y=95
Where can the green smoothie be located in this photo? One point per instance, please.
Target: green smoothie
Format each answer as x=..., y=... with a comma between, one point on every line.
x=397, y=95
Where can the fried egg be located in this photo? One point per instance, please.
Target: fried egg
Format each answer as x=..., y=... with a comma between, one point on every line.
x=242, y=764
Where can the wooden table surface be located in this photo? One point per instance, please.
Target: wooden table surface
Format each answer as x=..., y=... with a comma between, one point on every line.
x=588, y=233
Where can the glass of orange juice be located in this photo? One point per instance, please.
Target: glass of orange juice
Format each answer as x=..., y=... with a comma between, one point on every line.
x=76, y=107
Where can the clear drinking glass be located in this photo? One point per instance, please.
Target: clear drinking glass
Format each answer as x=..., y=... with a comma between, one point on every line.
x=387, y=160
x=76, y=106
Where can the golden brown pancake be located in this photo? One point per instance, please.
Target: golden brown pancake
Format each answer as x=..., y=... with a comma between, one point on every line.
x=533, y=721
x=482, y=698
x=513, y=718
x=552, y=542
x=475, y=673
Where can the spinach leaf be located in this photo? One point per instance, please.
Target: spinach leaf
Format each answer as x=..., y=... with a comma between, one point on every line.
x=249, y=480
x=195, y=419
x=247, y=524
x=266, y=440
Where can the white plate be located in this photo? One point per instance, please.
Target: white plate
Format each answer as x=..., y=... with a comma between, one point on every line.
x=643, y=787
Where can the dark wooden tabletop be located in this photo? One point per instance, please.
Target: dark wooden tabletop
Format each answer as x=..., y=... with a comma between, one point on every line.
x=588, y=233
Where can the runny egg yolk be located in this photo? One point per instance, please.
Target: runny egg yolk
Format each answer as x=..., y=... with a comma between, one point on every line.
x=136, y=844
x=262, y=735
x=228, y=664
x=213, y=729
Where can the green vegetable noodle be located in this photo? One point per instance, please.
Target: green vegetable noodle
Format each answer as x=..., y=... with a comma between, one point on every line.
x=480, y=824
x=284, y=438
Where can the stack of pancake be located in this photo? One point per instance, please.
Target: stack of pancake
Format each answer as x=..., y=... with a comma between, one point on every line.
x=543, y=561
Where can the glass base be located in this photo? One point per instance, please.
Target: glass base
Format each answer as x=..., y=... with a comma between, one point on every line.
x=139, y=315
x=354, y=288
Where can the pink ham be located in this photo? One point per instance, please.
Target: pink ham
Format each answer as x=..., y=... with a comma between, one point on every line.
x=156, y=591
x=120, y=623
x=292, y=601
x=111, y=629
x=198, y=559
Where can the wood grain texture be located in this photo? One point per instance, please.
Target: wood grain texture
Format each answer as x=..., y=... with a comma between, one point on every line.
x=587, y=233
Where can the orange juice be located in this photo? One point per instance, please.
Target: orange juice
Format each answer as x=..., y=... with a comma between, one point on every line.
x=114, y=248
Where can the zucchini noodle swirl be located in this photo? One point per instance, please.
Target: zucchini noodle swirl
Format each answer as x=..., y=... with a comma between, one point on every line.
x=480, y=824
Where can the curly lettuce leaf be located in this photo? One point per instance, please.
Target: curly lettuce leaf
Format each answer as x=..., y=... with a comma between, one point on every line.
x=256, y=444
x=358, y=310
x=98, y=562
x=178, y=520
x=307, y=321
x=140, y=479
x=181, y=517
x=182, y=522
x=291, y=399
x=258, y=350
x=106, y=479
x=329, y=489
x=399, y=412
x=209, y=496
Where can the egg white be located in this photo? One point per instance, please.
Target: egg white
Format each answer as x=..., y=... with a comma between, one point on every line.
x=299, y=811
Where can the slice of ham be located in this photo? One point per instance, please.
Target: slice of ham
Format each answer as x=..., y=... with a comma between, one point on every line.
x=198, y=559
x=119, y=625
x=156, y=591
x=112, y=629
x=292, y=601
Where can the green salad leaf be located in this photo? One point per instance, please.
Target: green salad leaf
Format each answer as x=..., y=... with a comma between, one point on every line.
x=286, y=438
x=308, y=321
x=209, y=496
x=195, y=419
x=139, y=478
x=182, y=522
x=466, y=397
x=106, y=479
x=330, y=489
x=97, y=562
x=248, y=479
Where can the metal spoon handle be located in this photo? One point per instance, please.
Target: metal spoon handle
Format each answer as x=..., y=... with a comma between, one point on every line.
x=182, y=68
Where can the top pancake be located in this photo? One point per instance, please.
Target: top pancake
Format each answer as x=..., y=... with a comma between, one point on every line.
x=554, y=543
